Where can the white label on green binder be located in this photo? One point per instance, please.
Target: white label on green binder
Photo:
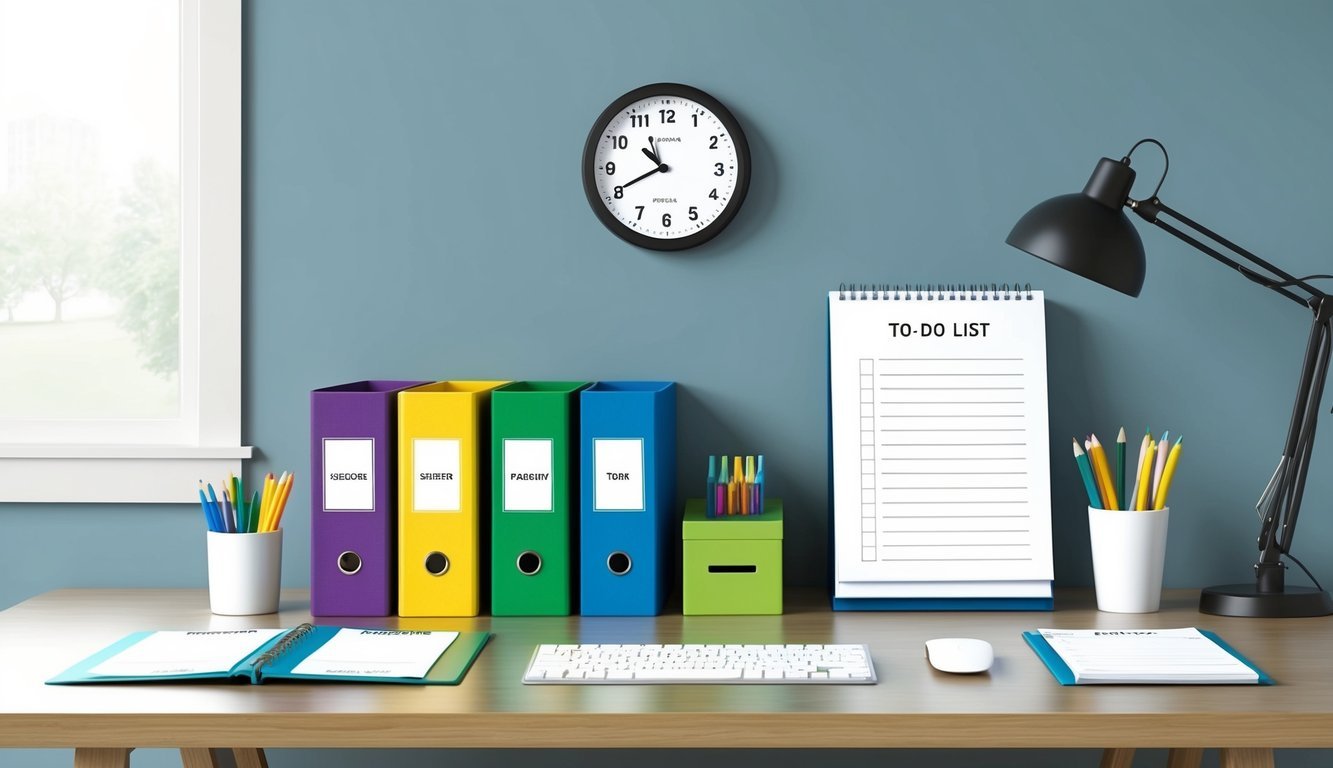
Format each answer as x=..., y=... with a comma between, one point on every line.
x=618, y=475
x=349, y=474
x=435, y=471
x=527, y=473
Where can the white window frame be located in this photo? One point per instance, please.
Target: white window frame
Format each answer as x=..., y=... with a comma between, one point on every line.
x=210, y=444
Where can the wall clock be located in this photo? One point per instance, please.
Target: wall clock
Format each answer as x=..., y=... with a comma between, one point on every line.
x=666, y=167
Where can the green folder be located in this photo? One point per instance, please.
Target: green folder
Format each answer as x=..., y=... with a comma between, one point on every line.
x=534, y=497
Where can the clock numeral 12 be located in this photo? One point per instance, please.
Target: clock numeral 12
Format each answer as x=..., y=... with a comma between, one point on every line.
x=668, y=115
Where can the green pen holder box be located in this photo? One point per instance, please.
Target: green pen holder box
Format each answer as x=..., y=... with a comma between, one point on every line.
x=732, y=565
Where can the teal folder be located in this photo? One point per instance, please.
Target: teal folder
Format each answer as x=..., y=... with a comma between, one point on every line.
x=275, y=660
x=1065, y=676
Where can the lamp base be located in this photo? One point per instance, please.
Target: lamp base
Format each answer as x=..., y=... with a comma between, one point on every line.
x=1247, y=600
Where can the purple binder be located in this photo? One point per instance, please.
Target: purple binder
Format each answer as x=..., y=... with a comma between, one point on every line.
x=352, y=488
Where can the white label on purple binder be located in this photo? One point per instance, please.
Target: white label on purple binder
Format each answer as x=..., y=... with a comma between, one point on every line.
x=527, y=471
x=349, y=474
x=435, y=476
x=617, y=468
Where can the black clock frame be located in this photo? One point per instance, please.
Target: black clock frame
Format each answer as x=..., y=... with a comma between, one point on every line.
x=733, y=205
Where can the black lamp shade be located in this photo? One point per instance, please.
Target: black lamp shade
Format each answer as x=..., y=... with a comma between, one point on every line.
x=1088, y=233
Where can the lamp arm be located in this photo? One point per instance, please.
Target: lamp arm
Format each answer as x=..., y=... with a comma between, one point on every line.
x=1150, y=209
x=1279, y=510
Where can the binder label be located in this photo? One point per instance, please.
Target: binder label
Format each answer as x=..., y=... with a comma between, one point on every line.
x=617, y=468
x=349, y=474
x=527, y=473
x=435, y=471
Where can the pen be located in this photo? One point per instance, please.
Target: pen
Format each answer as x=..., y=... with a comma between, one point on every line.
x=711, y=496
x=217, y=510
x=722, y=486
x=1085, y=471
x=759, y=485
x=208, y=511
x=1120, y=466
x=1167, y=474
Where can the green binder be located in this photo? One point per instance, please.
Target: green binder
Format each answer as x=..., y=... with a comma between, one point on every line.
x=534, y=498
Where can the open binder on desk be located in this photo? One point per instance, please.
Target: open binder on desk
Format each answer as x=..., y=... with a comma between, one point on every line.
x=939, y=455
x=307, y=653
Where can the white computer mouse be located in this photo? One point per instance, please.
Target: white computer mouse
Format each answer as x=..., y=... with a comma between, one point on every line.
x=960, y=655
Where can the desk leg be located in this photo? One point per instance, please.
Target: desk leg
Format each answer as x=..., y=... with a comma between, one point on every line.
x=1184, y=758
x=89, y=757
x=1246, y=758
x=201, y=757
x=249, y=758
x=1117, y=758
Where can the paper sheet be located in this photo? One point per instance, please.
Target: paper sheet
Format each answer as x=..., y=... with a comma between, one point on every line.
x=165, y=654
x=1146, y=656
x=941, y=455
x=377, y=653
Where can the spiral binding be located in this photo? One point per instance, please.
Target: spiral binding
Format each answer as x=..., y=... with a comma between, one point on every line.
x=932, y=292
x=283, y=645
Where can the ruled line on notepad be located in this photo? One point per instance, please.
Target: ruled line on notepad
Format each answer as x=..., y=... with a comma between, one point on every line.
x=900, y=445
x=950, y=517
x=943, y=375
x=973, y=359
x=952, y=559
x=968, y=502
x=952, y=389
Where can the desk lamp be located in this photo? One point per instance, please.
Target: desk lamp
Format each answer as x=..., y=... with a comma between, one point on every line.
x=1089, y=234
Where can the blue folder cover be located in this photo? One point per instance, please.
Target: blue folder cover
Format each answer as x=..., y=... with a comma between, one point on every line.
x=1065, y=676
x=275, y=659
x=625, y=543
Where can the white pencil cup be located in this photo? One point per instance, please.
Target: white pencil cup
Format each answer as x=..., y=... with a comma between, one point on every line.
x=244, y=572
x=1128, y=552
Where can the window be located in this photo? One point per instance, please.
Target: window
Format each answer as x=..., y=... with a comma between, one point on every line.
x=120, y=253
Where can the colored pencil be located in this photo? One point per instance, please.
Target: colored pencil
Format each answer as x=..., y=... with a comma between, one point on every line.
x=1132, y=501
x=1168, y=473
x=1163, y=447
x=1120, y=465
x=1098, y=455
x=1145, y=478
x=1085, y=471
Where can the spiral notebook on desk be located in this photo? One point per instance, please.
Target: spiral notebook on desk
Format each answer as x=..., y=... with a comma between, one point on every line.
x=939, y=454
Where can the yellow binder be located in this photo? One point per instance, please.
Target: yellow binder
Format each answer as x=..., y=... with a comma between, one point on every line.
x=443, y=496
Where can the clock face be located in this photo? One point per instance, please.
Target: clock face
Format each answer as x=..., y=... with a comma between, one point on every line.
x=666, y=167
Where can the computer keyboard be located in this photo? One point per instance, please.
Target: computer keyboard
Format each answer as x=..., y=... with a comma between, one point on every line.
x=612, y=664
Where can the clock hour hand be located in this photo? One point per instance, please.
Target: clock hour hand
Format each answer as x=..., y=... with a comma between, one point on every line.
x=661, y=168
x=651, y=156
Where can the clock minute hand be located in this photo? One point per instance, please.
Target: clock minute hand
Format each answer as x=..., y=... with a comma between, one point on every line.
x=661, y=168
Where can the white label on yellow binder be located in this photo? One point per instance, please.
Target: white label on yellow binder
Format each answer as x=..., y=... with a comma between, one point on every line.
x=349, y=474
x=435, y=471
x=169, y=654
x=618, y=475
x=377, y=653
x=527, y=473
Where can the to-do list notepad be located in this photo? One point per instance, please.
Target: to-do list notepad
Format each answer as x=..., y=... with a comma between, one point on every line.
x=940, y=455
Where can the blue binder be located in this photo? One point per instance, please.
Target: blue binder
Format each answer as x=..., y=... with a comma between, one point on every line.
x=627, y=482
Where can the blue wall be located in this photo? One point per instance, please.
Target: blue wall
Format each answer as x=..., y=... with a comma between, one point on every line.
x=413, y=209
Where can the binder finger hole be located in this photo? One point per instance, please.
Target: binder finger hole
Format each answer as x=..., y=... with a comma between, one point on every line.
x=437, y=563
x=529, y=563
x=349, y=562
x=619, y=563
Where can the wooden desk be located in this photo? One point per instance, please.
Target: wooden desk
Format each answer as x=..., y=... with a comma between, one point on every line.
x=1017, y=704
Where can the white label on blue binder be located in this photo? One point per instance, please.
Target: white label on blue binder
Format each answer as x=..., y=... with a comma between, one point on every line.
x=435, y=471
x=527, y=472
x=617, y=467
x=349, y=474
